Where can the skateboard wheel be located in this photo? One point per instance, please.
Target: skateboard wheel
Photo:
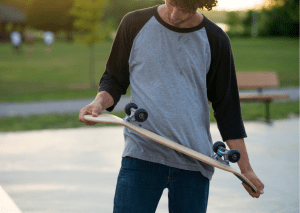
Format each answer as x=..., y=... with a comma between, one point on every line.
x=128, y=108
x=217, y=145
x=141, y=115
x=234, y=156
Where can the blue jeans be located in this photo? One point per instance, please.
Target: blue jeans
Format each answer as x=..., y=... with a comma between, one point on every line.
x=141, y=184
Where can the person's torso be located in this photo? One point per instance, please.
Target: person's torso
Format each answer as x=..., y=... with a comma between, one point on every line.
x=168, y=78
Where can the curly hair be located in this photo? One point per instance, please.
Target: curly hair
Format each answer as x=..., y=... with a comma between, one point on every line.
x=193, y=5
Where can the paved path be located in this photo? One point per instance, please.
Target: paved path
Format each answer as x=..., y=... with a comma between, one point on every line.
x=76, y=170
x=46, y=107
x=70, y=106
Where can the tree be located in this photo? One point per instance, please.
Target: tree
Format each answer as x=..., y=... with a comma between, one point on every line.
x=50, y=15
x=235, y=23
x=116, y=9
x=273, y=3
x=250, y=24
x=282, y=19
x=90, y=28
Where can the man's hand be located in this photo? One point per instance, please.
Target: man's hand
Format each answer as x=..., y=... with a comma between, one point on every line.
x=101, y=102
x=93, y=109
x=245, y=167
x=251, y=176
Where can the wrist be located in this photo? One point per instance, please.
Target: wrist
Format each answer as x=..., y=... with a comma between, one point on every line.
x=104, y=99
x=246, y=168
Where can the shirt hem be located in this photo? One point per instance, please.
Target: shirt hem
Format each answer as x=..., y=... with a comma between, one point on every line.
x=171, y=164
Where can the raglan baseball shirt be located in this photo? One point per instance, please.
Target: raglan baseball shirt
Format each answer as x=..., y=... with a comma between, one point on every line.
x=174, y=73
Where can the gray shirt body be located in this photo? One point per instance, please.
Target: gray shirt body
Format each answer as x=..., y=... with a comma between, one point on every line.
x=171, y=76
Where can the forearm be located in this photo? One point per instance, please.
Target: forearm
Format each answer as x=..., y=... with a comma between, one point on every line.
x=239, y=144
x=104, y=99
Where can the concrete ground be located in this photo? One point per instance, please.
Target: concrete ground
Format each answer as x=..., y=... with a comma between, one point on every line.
x=75, y=170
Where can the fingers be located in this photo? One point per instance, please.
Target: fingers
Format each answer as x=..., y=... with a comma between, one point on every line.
x=95, y=113
x=88, y=110
x=82, y=112
x=256, y=182
x=250, y=191
x=253, y=194
x=90, y=123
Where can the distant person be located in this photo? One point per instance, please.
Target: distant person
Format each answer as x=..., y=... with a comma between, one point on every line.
x=30, y=41
x=48, y=39
x=16, y=40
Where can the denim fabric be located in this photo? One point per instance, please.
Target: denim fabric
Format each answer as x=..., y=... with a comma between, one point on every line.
x=141, y=184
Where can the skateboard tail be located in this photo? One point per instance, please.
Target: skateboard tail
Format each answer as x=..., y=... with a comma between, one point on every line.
x=242, y=179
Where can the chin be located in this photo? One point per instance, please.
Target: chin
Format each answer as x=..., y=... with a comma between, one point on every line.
x=176, y=22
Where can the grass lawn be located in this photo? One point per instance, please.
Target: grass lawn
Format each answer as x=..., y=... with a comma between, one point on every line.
x=250, y=112
x=60, y=74
x=273, y=54
x=63, y=73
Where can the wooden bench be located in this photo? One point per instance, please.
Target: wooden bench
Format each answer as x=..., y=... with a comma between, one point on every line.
x=259, y=81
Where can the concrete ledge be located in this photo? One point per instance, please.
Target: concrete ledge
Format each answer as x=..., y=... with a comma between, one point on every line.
x=7, y=205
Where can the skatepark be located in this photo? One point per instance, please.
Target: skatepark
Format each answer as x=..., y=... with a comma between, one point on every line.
x=75, y=170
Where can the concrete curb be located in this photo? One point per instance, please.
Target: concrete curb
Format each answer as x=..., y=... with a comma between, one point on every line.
x=7, y=204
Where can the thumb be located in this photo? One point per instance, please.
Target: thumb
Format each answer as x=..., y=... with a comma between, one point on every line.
x=96, y=112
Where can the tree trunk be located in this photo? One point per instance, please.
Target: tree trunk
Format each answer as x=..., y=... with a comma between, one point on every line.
x=254, y=24
x=92, y=66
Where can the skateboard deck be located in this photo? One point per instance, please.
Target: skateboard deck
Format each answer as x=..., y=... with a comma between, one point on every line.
x=112, y=119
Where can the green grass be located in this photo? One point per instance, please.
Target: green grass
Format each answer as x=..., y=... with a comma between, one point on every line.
x=60, y=74
x=250, y=111
x=63, y=73
x=41, y=122
x=279, y=110
x=272, y=54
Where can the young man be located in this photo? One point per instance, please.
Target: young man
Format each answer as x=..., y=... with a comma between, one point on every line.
x=176, y=60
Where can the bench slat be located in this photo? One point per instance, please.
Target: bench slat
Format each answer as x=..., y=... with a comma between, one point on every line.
x=251, y=97
x=257, y=80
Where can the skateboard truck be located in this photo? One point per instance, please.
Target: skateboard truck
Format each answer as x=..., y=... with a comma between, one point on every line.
x=232, y=156
x=135, y=114
x=220, y=150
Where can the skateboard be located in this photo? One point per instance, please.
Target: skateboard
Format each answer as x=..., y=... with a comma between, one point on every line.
x=220, y=159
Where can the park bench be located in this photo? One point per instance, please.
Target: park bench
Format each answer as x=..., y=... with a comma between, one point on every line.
x=259, y=81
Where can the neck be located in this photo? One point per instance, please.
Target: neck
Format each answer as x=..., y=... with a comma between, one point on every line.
x=194, y=19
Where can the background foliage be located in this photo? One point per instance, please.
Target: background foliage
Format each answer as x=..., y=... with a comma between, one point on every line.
x=279, y=20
